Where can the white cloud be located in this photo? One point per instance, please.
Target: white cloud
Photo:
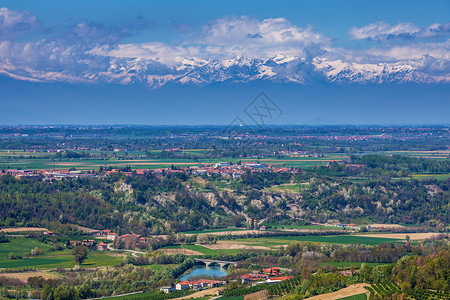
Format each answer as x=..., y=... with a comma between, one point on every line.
x=229, y=37
x=248, y=31
x=412, y=52
x=384, y=31
x=157, y=51
x=12, y=22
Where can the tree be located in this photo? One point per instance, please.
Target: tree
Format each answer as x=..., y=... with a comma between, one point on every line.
x=202, y=239
x=47, y=293
x=80, y=253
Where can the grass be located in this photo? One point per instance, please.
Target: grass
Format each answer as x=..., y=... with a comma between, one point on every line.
x=23, y=246
x=214, y=230
x=201, y=249
x=152, y=295
x=430, y=176
x=316, y=227
x=335, y=239
x=232, y=298
x=171, y=247
x=355, y=297
x=19, y=160
x=341, y=239
x=95, y=259
x=286, y=188
x=158, y=267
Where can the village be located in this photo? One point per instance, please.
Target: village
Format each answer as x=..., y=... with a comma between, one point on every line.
x=263, y=276
x=224, y=169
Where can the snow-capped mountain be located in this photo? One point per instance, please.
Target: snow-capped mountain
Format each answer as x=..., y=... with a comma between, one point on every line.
x=238, y=70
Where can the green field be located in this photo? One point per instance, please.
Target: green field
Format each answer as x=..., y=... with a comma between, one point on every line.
x=158, y=267
x=23, y=246
x=95, y=259
x=335, y=239
x=286, y=188
x=313, y=227
x=430, y=176
x=355, y=297
x=20, y=246
x=201, y=249
x=43, y=160
x=152, y=295
x=341, y=239
x=214, y=230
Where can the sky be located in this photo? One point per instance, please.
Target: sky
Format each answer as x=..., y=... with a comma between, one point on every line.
x=206, y=62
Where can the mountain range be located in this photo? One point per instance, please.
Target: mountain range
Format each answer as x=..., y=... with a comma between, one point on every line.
x=239, y=70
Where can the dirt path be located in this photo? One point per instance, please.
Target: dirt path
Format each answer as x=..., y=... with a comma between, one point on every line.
x=351, y=290
x=202, y=293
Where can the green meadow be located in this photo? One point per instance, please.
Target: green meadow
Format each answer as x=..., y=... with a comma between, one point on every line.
x=355, y=297
x=335, y=239
x=22, y=247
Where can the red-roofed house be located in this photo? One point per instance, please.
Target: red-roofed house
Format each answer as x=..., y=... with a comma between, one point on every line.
x=102, y=246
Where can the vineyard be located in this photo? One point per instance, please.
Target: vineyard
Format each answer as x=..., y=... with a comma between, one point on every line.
x=381, y=290
x=274, y=289
x=425, y=294
x=392, y=291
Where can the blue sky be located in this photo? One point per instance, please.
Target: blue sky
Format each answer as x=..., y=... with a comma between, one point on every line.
x=334, y=62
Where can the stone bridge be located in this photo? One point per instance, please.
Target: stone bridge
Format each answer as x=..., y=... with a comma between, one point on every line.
x=208, y=262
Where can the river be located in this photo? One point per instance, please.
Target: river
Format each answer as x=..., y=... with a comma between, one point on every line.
x=204, y=270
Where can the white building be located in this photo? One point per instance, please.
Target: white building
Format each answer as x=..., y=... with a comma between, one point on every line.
x=167, y=289
x=182, y=286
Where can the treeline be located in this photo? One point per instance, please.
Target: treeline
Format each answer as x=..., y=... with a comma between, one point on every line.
x=402, y=163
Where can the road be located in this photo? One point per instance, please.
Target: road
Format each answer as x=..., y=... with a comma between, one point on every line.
x=134, y=253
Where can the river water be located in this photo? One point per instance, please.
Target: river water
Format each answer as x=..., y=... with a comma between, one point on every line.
x=204, y=270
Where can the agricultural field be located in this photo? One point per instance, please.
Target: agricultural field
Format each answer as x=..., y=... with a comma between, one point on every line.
x=201, y=249
x=310, y=227
x=214, y=230
x=352, y=292
x=14, y=159
x=436, y=154
x=273, y=242
x=22, y=247
x=355, y=297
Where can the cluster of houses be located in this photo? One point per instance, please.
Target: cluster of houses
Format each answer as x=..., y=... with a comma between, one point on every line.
x=269, y=275
x=296, y=153
x=129, y=240
x=224, y=169
x=88, y=243
x=133, y=240
x=48, y=175
x=195, y=285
